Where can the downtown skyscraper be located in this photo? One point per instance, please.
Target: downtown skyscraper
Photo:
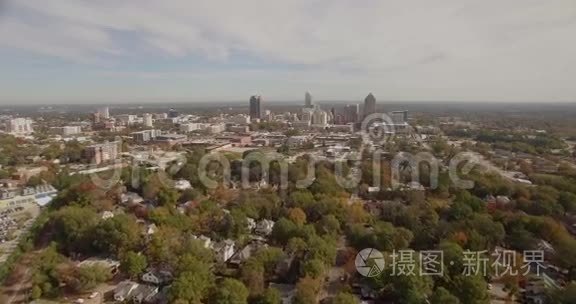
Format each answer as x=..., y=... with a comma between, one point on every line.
x=369, y=105
x=308, y=100
x=255, y=107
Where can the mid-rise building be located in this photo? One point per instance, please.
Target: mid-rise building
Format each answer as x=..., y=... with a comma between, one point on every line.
x=66, y=130
x=20, y=126
x=239, y=129
x=127, y=119
x=189, y=127
x=145, y=135
x=319, y=117
x=399, y=117
x=241, y=119
x=171, y=139
x=147, y=120
x=255, y=107
x=351, y=113
x=104, y=152
x=104, y=112
x=216, y=128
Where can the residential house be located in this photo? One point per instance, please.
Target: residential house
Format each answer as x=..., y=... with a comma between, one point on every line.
x=224, y=250
x=157, y=277
x=206, y=241
x=182, y=185
x=124, y=290
x=143, y=294
x=131, y=198
x=245, y=253
x=264, y=227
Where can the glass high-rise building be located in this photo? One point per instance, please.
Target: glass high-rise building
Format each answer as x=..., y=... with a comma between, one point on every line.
x=369, y=105
x=308, y=100
x=255, y=107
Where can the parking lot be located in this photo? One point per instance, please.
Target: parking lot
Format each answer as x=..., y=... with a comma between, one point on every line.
x=15, y=221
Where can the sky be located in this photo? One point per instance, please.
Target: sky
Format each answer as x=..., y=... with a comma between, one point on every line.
x=84, y=51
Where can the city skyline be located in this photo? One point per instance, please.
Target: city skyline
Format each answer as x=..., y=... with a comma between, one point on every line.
x=194, y=51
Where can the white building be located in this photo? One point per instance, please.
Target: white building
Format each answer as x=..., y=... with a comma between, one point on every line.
x=264, y=227
x=20, y=126
x=225, y=250
x=216, y=128
x=145, y=135
x=67, y=130
x=127, y=119
x=147, y=120
x=319, y=117
x=189, y=127
x=182, y=185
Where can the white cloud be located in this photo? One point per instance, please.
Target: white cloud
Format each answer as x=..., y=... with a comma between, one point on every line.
x=409, y=44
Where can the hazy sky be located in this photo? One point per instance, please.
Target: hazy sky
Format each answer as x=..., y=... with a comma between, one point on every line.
x=163, y=50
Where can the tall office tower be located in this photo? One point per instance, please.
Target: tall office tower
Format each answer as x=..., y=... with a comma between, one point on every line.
x=369, y=105
x=20, y=126
x=307, y=100
x=255, y=107
x=147, y=119
x=351, y=113
x=104, y=112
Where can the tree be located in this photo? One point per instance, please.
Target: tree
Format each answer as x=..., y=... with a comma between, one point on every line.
x=283, y=230
x=443, y=296
x=83, y=279
x=307, y=290
x=322, y=249
x=188, y=287
x=252, y=274
x=72, y=227
x=471, y=289
x=133, y=264
x=566, y=295
x=36, y=292
x=189, y=195
x=230, y=291
x=329, y=225
x=314, y=268
x=168, y=197
x=270, y=296
x=345, y=298
x=117, y=234
x=568, y=201
x=403, y=288
x=193, y=281
x=297, y=216
x=296, y=245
